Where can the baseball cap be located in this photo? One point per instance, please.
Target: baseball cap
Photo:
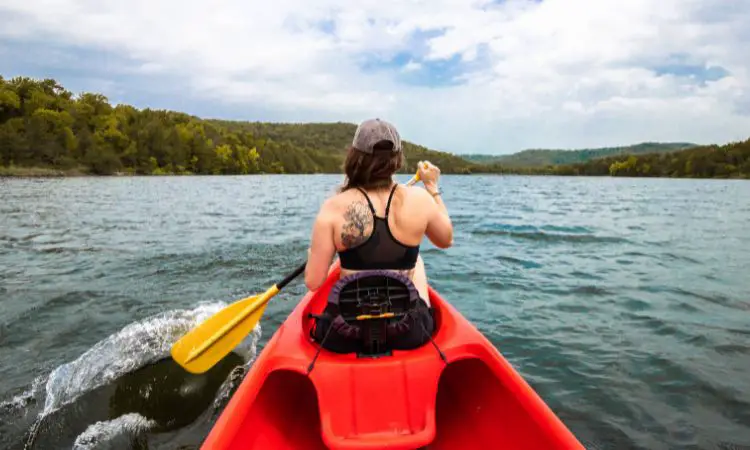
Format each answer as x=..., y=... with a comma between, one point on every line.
x=372, y=131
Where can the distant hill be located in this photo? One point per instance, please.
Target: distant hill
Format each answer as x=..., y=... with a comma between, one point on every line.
x=324, y=145
x=543, y=158
x=45, y=129
x=730, y=160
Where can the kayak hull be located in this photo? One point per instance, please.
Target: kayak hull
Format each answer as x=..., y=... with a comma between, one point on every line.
x=412, y=399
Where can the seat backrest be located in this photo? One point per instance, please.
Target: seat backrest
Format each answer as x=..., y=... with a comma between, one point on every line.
x=373, y=294
x=370, y=301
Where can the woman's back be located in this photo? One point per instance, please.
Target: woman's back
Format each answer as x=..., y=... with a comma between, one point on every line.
x=382, y=229
x=374, y=223
x=354, y=220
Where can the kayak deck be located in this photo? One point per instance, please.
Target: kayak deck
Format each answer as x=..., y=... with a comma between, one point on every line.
x=410, y=400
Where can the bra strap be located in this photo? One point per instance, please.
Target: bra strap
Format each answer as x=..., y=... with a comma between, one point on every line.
x=390, y=197
x=372, y=208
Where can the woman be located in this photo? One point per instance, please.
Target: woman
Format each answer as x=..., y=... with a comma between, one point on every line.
x=373, y=222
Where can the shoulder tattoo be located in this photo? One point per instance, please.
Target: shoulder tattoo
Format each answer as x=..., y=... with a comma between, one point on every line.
x=358, y=220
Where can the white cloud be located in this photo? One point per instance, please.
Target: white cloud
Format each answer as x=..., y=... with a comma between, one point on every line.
x=557, y=73
x=411, y=66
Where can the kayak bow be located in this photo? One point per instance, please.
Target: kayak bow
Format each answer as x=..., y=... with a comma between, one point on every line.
x=409, y=400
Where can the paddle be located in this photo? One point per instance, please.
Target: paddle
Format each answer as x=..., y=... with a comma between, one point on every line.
x=212, y=340
x=205, y=345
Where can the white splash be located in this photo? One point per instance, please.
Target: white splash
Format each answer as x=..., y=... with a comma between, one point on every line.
x=132, y=347
x=101, y=433
x=22, y=400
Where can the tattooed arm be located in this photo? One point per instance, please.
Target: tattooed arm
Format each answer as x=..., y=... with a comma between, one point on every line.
x=321, y=252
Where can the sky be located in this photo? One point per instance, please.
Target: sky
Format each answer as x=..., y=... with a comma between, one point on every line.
x=480, y=76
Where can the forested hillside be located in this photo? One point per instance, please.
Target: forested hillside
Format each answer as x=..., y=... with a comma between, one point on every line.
x=544, y=158
x=712, y=161
x=45, y=129
x=328, y=142
x=43, y=125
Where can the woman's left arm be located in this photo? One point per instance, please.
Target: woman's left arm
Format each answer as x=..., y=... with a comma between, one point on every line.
x=321, y=252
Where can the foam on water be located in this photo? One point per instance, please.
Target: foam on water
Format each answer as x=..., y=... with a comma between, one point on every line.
x=134, y=346
x=106, y=433
x=22, y=400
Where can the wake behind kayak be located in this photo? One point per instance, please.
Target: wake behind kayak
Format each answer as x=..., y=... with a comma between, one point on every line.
x=122, y=388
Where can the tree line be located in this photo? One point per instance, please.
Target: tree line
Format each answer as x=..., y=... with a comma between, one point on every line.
x=43, y=125
x=549, y=157
x=712, y=161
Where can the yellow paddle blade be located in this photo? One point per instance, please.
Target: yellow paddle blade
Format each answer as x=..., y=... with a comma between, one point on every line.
x=205, y=345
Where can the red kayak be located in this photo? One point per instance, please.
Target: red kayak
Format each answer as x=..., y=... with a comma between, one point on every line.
x=411, y=399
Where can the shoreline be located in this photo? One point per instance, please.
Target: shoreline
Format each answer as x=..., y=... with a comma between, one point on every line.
x=39, y=172
x=42, y=172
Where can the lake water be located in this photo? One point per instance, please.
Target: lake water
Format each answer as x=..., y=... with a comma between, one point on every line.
x=624, y=302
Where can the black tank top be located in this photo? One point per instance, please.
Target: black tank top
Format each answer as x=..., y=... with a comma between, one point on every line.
x=381, y=250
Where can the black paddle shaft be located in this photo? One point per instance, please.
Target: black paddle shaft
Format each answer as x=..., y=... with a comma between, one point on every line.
x=291, y=276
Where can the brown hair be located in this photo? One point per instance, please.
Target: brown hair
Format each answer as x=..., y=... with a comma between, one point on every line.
x=371, y=170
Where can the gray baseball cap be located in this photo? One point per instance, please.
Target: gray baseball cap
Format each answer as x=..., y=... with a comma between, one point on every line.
x=372, y=131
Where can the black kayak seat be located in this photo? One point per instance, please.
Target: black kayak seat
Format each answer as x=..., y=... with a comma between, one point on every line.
x=365, y=312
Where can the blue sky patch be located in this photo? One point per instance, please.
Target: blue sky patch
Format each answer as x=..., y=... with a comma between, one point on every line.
x=327, y=26
x=411, y=68
x=433, y=73
x=683, y=65
x=697, y=71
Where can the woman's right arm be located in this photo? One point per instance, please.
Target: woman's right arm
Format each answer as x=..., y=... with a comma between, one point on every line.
x=439, y=226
